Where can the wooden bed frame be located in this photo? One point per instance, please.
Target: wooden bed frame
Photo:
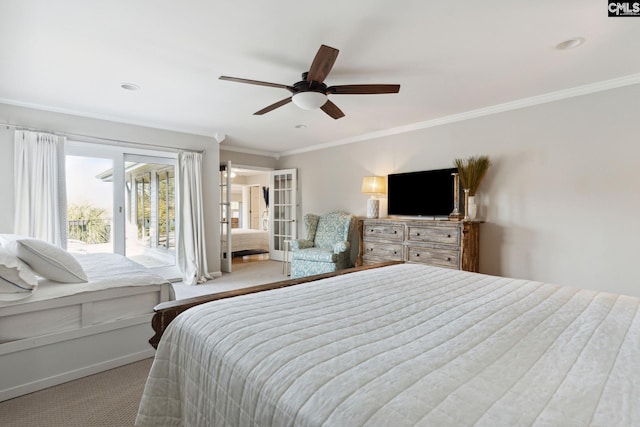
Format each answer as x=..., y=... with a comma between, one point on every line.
x=167, y=311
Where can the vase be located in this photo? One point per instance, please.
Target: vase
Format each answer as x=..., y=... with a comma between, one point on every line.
x=466, y=205
x=473, y=208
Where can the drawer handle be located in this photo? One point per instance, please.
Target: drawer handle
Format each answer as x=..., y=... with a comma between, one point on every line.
x=449, y=235
x=395, y=252
x=417, y=254
x=448, y=258
x=395, y=231
x=417, y=234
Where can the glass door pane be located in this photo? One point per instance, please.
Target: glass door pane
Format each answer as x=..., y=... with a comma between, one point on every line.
x=226, y=255
x=89, y=204
x=150, y=210
x=283, y=212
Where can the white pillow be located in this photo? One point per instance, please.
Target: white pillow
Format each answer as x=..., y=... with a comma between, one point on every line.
x=47, y=260
x=17, y=281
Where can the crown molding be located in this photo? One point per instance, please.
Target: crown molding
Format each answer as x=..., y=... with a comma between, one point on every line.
x=481, y=112
x=187, y=130
x=249, y=151
x=486, y=111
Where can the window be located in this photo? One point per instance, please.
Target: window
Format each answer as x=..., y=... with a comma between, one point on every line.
x=122, y=202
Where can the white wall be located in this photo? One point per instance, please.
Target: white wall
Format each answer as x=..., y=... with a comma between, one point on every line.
x=559, y=202
x=104, y=129
x=245, y=159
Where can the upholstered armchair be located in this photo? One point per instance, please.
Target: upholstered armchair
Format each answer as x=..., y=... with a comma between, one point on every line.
x=326, y=247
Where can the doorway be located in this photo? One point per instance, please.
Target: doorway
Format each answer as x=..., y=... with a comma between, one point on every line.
x=252, y=225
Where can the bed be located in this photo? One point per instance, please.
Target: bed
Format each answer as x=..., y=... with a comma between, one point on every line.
x=400, y=345
x=245, y=240
x=64, y=331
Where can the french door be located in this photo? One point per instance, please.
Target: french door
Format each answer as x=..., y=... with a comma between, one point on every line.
x=226, y=255
x=283, y=208
x=122, y=201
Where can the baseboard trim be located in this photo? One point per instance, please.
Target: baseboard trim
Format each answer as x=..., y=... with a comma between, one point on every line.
x=74, y=375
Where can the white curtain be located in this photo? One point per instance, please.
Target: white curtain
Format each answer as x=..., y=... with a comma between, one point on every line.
x=40, y=188
x=192, y=251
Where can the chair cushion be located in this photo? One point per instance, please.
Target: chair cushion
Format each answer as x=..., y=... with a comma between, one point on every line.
x=315, y=254
x=332, y=228
x=301, y=244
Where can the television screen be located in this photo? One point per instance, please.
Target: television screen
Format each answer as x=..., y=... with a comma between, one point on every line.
x=424, y=193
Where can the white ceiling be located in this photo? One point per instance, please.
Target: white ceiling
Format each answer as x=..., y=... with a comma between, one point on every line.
x=450, y=57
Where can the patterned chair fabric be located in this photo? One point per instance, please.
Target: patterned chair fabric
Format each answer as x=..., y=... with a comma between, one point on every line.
x=326, y=247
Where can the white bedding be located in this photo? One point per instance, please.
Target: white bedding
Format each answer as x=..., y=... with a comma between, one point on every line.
x=400, y=346
x=246, y=239
x=104, y=271
x=118, y=288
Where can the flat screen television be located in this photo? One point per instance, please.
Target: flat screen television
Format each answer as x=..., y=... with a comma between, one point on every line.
x=425, y=193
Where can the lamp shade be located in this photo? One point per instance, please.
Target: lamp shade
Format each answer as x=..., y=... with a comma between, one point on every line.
x=374, y=185
x=309, y=100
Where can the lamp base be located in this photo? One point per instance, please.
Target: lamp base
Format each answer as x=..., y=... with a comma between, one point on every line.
x=373, y=208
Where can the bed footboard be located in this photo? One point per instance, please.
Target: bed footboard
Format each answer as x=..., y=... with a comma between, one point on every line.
x=167, y=311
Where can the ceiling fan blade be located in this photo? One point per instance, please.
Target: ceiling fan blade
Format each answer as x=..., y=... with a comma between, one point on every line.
x=273, y=106
x=257, y=82
x=332, y=109
x=363, y=89
x=322, y=64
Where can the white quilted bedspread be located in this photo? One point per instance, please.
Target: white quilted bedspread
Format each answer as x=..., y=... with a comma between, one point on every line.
x=401, y=346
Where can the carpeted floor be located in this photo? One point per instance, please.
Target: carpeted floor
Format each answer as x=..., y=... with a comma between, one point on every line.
x=247, y=271
x=108, y=399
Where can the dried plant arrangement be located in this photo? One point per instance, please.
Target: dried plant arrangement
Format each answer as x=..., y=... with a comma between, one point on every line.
x=471, y=171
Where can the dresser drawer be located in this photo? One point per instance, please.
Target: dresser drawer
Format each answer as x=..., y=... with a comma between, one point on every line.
x=372, y=261
x=431, y=256
x=452, y=244
x=382, y=251
x=443, y=235
x=384, y=231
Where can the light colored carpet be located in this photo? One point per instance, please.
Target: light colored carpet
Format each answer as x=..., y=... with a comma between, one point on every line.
x=108, y=399
x=111, y=398
x=244, y=274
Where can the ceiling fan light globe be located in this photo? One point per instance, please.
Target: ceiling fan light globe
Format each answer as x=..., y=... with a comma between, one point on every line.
x=309, y=100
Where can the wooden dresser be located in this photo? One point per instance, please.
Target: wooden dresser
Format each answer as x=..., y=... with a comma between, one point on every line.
x=452, y=244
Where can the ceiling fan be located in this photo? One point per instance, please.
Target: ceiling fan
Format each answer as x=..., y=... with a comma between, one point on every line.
x=311, y=92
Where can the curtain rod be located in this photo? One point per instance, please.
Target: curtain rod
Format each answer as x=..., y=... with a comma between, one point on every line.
x=107, y=141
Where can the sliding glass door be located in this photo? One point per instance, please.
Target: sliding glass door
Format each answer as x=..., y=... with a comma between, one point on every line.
x=89, y=205
x=121, y=202
x=150, y=223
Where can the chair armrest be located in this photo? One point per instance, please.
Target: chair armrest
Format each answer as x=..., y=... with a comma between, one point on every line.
x=341, y=247
x=301, y=244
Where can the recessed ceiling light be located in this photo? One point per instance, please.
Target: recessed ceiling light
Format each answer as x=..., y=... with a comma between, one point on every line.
x=300, y=126
x=571, y=43
x=129, y=86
